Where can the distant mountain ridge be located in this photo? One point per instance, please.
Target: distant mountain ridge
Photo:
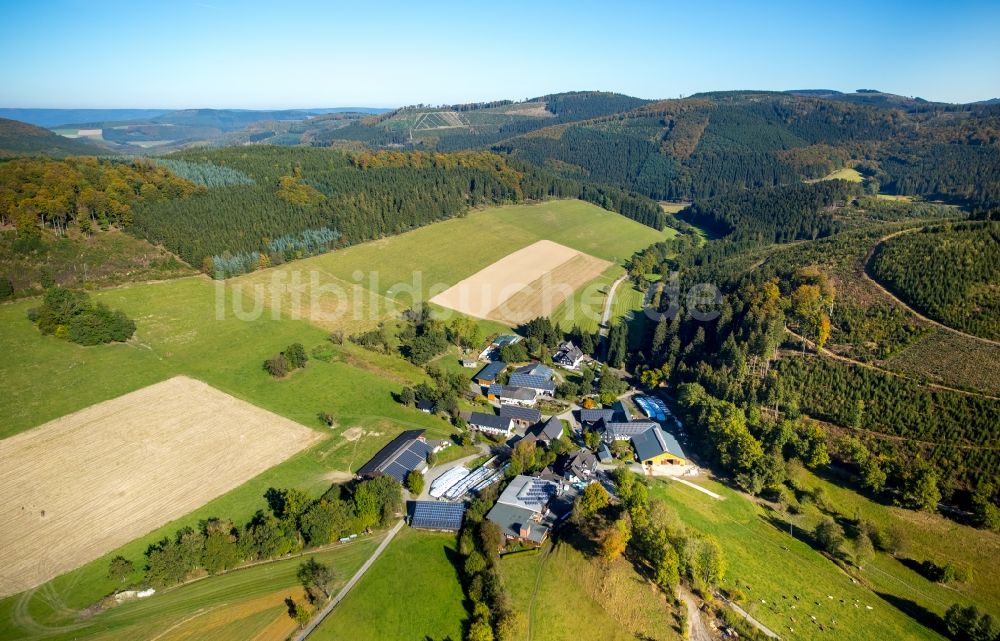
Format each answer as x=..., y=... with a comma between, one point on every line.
x=49, y=118
x=22, y=139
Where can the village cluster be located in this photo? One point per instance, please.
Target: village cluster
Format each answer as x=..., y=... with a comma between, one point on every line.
x=531, y=505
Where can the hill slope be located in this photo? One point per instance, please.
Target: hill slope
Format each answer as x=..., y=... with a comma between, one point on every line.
x=21, y=139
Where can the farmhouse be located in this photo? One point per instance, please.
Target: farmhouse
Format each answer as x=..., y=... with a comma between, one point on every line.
x=404, y=454
x=491, y=424
x=656, y=447
x=493, y=349
x=510, y=395
x=488, y=375
x=522, y=511
x=437, y=515
x=535, y=369
x=580, y=467
x=548, y=431
x=568, y=356
x=615, y=423
x=540, y=384
x=521, y=415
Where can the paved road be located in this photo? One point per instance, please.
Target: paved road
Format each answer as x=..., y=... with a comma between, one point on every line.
x=754, y=622
x=322, y=614
x=608, y=303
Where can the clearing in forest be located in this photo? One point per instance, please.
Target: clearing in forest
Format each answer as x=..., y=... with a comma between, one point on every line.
x=82, y=485
x=530, y=282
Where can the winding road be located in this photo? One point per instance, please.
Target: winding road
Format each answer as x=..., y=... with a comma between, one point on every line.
x=904, y=305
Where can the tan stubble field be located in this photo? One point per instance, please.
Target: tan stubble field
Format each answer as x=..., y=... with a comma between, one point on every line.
x=530, y=282
x=82, y=485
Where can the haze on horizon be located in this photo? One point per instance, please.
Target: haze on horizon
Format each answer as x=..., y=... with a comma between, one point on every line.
x=224, y=54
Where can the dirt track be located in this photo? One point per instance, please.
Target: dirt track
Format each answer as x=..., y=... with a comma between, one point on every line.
x=82, y=485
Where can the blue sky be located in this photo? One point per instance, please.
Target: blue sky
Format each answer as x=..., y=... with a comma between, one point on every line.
x=214, y=53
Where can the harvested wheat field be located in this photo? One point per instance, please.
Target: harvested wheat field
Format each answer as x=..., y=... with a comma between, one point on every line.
x=82, y=485
x=531, y=282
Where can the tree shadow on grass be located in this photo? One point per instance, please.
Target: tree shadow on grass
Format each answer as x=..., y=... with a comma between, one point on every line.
x=917, y=612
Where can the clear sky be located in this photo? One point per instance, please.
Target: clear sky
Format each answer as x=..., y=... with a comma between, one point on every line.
x=216, y=53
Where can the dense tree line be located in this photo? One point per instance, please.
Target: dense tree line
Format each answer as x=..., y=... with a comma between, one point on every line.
x=291, y=522
x=479, y=544
x=83, y=192
x=959, y=432
x=964, y=173
x=947, y=273
x=780, y=214
x=344, y=198
x=69, y=314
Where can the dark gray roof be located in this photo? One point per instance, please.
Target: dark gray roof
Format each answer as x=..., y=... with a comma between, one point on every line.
x=552, y=429
x=532, y=381
x=603, y=453
x=437, y=515
x=512, y=519
x=568, y=353
x=404, y=454
x=536, y=369
x=491, y=371
x=595, y=415
x=519, y=413
x=479, y=419
x=617, y=429
x=425, y=404
x=580, y=463
x=622, y=413
x=516, y=393
x=654, y=442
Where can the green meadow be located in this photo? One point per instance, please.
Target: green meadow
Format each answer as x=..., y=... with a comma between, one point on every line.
x=411, y=593
x=383, y=276
x=789, y=586
x=212, y=331
x=185, y=603
x=179, y=333
x=561, y=595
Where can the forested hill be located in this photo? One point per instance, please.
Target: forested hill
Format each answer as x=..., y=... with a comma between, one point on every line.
x=265, y=205
x=714, y=143
x=468, y=126
x=21, y=139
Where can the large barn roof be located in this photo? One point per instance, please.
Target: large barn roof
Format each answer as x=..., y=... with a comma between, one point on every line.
x=437, y=515
x=404, y=454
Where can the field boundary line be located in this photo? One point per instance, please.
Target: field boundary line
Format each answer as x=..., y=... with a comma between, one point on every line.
x=321, y=616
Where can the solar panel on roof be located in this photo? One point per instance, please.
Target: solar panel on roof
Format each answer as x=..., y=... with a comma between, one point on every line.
x=434, y=515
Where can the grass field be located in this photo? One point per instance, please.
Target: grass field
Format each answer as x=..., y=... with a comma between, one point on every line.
x=89, y=482
x=672, y=207
x=584, y=308
x=847, y=173
x=560, y=595
x=429, y=260
x=191, y=327
x=786, y=581
x=237, y=605
x=178, y=334
x=411, y=593
x=925, y=537
x=627, y=307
